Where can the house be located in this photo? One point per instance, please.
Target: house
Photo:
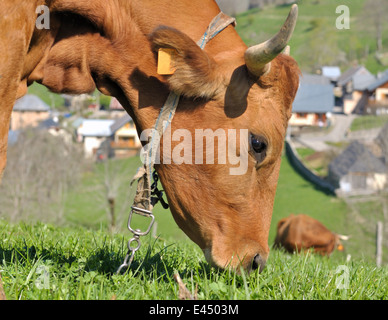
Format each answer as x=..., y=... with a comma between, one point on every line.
x=314, y=101
x=357, y=170
x=378, y=96
x=331, y=72
x=351, y=86
x=124, y=139
x=382, y=141
x=28, y=111
x=93, y=132
x=118, y=137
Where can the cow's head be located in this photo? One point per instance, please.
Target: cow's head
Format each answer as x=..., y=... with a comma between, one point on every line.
x=246, y=103
x=243, y=96
x=338, y=241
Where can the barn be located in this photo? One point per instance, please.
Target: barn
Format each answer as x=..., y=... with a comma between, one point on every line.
x=357, y=170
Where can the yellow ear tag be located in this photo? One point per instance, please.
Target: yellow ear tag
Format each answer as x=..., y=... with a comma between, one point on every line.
x=166, y=61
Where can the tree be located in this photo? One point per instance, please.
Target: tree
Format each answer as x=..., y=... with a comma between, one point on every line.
x=40, y=170
x=113, y=191
x=374, y=17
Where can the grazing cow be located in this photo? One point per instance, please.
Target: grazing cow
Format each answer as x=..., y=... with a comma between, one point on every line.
x=301, y=232
x=112, y=45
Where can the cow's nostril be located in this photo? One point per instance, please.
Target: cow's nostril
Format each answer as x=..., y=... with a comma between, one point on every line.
x=257, y=263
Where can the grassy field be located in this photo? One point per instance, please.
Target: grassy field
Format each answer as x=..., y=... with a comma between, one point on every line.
x=42, y=262
x=79, y=261
x=316, y=40
x=368, y=122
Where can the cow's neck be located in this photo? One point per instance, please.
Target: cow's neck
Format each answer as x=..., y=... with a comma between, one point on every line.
x=147, y=91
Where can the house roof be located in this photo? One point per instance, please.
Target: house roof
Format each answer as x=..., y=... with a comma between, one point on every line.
x=30, y=102
x=49, y=123
x=333, y=73
x=360, y=76
x=119, y=123
x=96, y=128
x=379, y=82
x=356, y=158
x=315, y=95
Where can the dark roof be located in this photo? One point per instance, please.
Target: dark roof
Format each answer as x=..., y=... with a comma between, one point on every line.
x=315, y=95
x=119, y=123
x=49, y=123
x=379, y=82
x=360, y=76
x=308, y=78
x=30, y=102
x=356, y=158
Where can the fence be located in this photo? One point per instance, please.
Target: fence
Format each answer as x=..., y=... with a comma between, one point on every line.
x=298, y=165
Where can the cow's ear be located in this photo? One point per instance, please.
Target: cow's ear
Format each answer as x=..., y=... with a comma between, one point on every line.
x=196, y=74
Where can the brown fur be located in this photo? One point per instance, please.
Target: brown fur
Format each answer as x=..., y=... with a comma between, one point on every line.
x=301, y=232
x=197, y=75
x=111, y=45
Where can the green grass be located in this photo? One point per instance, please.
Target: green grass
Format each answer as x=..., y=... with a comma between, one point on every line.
x=80, y=259
x=52, y=99
x=368, y=122
x=316, y=40
x=80, y=265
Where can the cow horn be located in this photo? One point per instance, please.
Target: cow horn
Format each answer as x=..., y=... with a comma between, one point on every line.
x=344, y=238
x=258, y=58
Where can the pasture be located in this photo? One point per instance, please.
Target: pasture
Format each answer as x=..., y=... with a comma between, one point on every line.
x=316, y=40
x=43, y=262
x=78, y=261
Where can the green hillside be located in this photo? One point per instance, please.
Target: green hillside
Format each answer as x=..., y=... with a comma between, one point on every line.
x=316, y=40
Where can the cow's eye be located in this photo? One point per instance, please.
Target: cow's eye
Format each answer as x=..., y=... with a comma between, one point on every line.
x=259, y=147
x=259, y=144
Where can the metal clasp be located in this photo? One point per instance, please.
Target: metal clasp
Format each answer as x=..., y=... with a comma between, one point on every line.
x=137, y=233
x=144, y=213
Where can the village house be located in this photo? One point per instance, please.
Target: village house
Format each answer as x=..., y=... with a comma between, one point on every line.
x=93, y=132
x=28, y=111
x=331, y=72
x=124, y=138
x=378, y=96
x=314, y=101
x=102, y=137
x=351, y=86
x=356, y=170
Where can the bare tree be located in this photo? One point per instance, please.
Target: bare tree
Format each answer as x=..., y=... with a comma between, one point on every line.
x=113, y=191
x=374, y=17
x=40, y=170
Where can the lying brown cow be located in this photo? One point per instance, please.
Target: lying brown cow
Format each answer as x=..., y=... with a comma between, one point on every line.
x=227, y=87
x=301, y=232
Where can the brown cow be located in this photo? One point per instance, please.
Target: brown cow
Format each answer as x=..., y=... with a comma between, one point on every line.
x=301, y=232
x=112, y=45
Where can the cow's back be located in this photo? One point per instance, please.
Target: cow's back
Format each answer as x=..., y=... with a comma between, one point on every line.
x=300, y=232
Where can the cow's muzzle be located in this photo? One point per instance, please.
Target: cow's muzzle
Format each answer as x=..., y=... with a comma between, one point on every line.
x=258, y=263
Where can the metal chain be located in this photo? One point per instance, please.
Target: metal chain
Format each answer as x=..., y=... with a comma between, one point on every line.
x=137, y=233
